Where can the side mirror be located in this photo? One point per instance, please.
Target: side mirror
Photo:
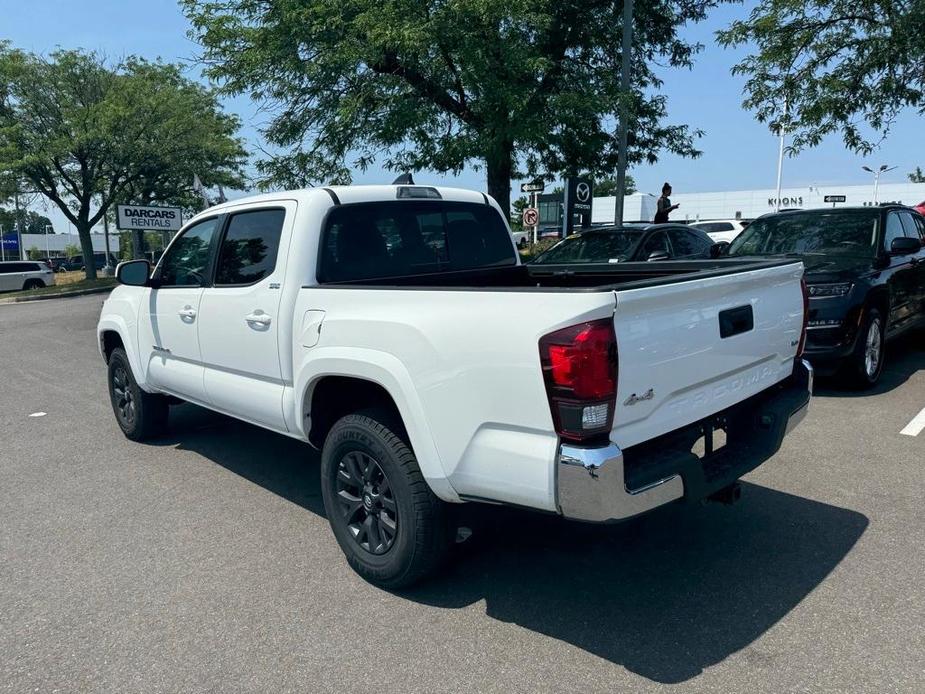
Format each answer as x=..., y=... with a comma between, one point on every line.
x=719, y=249
x=134, y=273
x=905, y=246
x=657, y=255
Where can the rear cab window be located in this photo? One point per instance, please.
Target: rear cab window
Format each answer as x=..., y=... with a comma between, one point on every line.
x=390, y=239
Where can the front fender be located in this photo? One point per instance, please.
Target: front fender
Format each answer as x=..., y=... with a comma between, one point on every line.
x=118, y=317
x=388, y=372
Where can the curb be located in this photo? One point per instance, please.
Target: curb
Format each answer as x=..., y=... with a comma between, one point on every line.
x=62, y=295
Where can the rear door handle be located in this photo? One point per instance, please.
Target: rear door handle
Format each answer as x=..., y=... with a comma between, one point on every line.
x=258, y=318
x=187, y=312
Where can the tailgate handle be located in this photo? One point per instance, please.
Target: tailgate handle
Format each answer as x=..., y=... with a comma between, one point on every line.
x=735, y=321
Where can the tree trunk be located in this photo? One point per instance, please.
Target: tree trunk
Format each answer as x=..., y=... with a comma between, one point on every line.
x=86, y=247
x=499, y=165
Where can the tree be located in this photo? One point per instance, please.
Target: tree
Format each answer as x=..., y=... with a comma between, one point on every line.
x=30, y=222
x=85, y=135
x=917, y=176
x=825, y=66
x=33, y=253
x=515, y=88
x=608, y=186
x=70, y=250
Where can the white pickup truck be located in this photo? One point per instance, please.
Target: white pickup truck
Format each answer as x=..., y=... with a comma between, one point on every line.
x=395, y=328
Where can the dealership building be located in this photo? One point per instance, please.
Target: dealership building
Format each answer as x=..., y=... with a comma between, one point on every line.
x=735, y=204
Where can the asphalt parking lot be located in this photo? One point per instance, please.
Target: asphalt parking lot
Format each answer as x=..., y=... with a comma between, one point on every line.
x=203, y=561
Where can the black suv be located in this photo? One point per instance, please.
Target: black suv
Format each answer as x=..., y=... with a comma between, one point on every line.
x=865, y=271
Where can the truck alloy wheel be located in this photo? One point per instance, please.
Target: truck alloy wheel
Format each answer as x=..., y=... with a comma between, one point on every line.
x=366, y=501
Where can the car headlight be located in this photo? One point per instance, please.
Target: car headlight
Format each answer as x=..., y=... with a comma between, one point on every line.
x=825, y=290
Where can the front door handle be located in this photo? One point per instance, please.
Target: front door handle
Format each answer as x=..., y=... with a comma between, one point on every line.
x=258, y=318
x=187, y=312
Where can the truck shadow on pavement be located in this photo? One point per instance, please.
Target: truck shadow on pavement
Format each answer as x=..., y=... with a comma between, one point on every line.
x=905, y=357
x=665, y=595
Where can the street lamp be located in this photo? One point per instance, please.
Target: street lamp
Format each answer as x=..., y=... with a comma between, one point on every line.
x=47, y=227
x=882, y=170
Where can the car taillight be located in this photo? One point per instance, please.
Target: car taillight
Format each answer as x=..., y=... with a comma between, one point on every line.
x=802, y=345
x=580, y=370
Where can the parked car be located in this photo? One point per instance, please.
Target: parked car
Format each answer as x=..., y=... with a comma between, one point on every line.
x=77, y=262
x=522, y=237
x=395, y=328
x=630, y=243
x=16, y=275
x=865, y=267
x=722, y=229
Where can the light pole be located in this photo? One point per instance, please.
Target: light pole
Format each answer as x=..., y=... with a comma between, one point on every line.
x=624, y=115
x=47, y=227
x=780, y=157
x=882, y=170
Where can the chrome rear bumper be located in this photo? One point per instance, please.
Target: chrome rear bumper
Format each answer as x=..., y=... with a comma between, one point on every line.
x=591, y=482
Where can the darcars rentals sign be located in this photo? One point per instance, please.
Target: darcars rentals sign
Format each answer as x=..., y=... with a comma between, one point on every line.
x=147, y=218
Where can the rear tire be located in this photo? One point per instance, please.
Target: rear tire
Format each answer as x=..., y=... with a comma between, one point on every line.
x=32, y=284
x=140, y=415
x=866, y=364
x=391, y=527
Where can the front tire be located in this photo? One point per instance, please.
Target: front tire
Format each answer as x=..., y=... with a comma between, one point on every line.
x=140, y=415
x=32, y=284
x=866, y=364
x=391, y=527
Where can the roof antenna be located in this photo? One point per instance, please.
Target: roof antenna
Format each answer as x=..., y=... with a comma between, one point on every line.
x=404, y=180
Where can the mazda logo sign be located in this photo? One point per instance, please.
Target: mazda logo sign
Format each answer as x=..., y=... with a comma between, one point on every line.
x=583, y=192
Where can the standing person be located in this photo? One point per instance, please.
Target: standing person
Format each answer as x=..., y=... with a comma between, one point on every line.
x=664, y=205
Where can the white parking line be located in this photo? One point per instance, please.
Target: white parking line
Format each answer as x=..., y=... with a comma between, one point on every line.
x=914, y=428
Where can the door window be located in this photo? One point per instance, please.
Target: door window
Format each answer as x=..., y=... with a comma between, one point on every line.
x=909, y=225
x=656, y=242
x=186, y=262
x=250, y=246
x=688, y=245
x=894, y=230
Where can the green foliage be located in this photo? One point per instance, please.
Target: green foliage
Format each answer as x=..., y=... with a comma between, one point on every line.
x=917, y=176
x=87, y=135
x=518, y=87
x=71, y=249
x=30, y=222
x=608, y=186
x=847, y=66
x=33, y=253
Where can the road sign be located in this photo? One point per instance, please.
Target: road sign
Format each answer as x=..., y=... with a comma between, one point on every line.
x=148, y=218
x=531, y=217
x=534, y=187
x=835, y=198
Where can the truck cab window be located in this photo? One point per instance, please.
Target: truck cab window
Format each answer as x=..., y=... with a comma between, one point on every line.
x=250, y=246
x=186, y=262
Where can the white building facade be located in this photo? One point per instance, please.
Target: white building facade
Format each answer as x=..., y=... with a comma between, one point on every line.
x=749, y=204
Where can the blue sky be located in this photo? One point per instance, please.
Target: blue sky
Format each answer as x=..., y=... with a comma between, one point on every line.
x=739, y=153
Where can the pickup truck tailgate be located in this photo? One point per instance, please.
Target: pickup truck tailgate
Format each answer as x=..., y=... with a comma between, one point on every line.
x=692, y=348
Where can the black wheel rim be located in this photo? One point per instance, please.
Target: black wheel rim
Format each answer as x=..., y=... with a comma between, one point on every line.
x=366, y=502
x=122, y=396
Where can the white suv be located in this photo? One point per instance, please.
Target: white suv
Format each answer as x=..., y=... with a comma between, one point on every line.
x=722, y=229
x=24, y=274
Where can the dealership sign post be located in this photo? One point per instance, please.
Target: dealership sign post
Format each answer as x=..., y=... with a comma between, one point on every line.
x=835, y=198
x=141, y=218
x=148, y=218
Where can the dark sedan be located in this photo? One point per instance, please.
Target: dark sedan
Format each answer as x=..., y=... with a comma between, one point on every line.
x=865, y=271
x=630, y=244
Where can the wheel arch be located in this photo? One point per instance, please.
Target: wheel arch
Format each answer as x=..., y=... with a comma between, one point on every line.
x=112, y=332
x=339, y=385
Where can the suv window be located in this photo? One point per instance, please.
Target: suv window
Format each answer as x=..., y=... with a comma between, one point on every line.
x=186, y=261
x=894, y=230
x=250, y=246
x=909, y=225
x=686, y=244
x=656, y=242
x=920, y=223
x=9, y=268
x=413, y=237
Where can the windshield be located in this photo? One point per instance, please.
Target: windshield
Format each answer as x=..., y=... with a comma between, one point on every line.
x=602, y=247
x=844, y=232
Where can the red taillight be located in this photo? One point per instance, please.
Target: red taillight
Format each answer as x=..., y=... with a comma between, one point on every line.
x=580, y=370
x=802, y=345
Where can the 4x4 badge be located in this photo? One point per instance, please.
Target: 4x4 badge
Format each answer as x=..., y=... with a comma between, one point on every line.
x=633, y=399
